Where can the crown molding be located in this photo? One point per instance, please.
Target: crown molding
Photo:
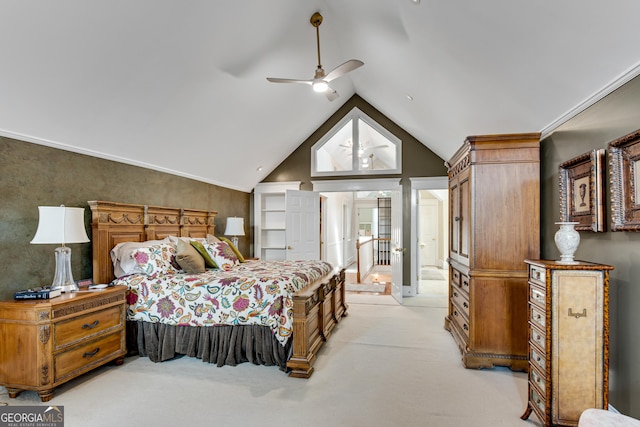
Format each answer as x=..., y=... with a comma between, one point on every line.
x=626, y=77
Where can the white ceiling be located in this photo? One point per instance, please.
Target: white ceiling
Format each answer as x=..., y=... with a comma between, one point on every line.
x=180, y=86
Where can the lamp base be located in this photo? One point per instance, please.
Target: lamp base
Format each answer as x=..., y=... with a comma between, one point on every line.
x=63, y=278
x=67, y=288
x=234, y=240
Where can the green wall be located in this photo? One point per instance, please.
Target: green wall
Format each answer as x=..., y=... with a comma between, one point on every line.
x=33, y=175
x=417, y=161
x=614, y=116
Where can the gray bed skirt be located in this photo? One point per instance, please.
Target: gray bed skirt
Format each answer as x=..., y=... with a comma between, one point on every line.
x=222, y=345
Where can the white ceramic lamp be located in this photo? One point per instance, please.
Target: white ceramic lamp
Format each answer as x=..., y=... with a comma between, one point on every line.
x=60, y=225
x=235, y=228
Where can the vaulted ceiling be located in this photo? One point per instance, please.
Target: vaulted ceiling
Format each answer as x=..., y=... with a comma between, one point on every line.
x=180, y=86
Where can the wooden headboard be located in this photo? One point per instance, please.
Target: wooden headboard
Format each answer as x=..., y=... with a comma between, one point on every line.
x=114, y=223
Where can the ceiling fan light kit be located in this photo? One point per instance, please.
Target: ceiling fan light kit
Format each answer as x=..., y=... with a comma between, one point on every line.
x=320, y=81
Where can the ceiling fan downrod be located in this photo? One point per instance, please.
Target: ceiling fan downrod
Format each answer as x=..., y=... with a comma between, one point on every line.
x=316, y=20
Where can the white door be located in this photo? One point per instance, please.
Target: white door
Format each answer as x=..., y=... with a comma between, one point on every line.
x=302, y=225
x=428, y=226
x=397, y=250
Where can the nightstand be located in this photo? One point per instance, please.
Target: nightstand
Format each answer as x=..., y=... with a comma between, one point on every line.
x=46, y=343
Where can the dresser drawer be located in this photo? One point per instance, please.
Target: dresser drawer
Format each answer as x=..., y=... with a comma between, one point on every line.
x=537, y=274
x=537, y=296
x=461, y=300
x=536, y=378
x=455, y=276
x=537, y=400
x=77, y=329
x=538, y=338
x=464, y=283
x=461, y=321
x=537, y=358
x=88, y=354
x=537, y=316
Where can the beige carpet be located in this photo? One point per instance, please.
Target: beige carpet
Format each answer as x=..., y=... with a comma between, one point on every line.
x=385, y=365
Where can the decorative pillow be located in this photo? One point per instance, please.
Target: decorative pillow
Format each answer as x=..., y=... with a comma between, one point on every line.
x=157, y=259
x=208, y=261
x=122, y=256
x=186, y=239
x=212, y=239
x=222, y=254
x=233, y=248
x=189, y=258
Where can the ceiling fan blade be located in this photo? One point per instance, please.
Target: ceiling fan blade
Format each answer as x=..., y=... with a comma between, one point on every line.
x=277, y=80
x=343, y=69
x=331, y=94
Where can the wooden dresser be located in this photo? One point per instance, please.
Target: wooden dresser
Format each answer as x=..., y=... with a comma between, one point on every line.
x=568, y=340
x=48, y=342
x=494, y=217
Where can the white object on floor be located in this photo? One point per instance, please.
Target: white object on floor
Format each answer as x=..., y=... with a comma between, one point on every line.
x=600, y=418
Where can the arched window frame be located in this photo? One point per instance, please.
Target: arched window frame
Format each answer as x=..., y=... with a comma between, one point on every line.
x=353, y=117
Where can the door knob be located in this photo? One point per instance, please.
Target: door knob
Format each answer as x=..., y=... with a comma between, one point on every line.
x=289, y=247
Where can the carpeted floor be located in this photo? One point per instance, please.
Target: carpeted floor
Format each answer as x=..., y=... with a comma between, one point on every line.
x=384, y=365
x=430, y=274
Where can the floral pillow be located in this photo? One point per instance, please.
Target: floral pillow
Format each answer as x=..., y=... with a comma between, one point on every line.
x=223, y=255
x=157, y=259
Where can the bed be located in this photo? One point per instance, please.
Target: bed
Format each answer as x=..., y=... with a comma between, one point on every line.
x=263, y=312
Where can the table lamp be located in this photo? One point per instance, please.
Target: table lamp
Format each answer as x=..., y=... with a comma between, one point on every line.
x=235, y=228
x=61, y=225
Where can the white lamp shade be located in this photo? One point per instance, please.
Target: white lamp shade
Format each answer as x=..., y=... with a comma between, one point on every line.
x=235, y=227
x=60, y=225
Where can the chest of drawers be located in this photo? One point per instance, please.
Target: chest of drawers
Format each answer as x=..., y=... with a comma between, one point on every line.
x=568, y=340
x=46, y=343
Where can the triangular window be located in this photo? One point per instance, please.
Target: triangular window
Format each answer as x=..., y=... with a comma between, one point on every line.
x=357, y=145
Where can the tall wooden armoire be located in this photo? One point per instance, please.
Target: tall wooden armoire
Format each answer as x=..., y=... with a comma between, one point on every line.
x=494, y=216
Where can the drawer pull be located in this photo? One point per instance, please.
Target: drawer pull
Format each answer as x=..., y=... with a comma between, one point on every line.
x=465, y=327
x=466, y=283
x=465, y=304
x=457, y=218
x=455, y=313
x=577, y=315
x=91, y=353
x=94, y=324
x=455, y=294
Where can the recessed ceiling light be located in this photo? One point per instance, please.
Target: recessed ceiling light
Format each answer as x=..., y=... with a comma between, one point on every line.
x=415, y=1
x=409, y=97
x=259, y=168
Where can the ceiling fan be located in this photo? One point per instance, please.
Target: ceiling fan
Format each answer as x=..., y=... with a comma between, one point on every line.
x=320, y=81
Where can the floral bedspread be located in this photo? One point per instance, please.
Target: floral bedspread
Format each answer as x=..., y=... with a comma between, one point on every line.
x=252, y=293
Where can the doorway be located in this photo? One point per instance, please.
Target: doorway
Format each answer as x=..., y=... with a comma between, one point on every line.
x=342, y=206
x=429, y=245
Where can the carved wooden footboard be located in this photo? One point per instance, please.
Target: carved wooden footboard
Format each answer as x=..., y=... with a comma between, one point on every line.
x=316, y=309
